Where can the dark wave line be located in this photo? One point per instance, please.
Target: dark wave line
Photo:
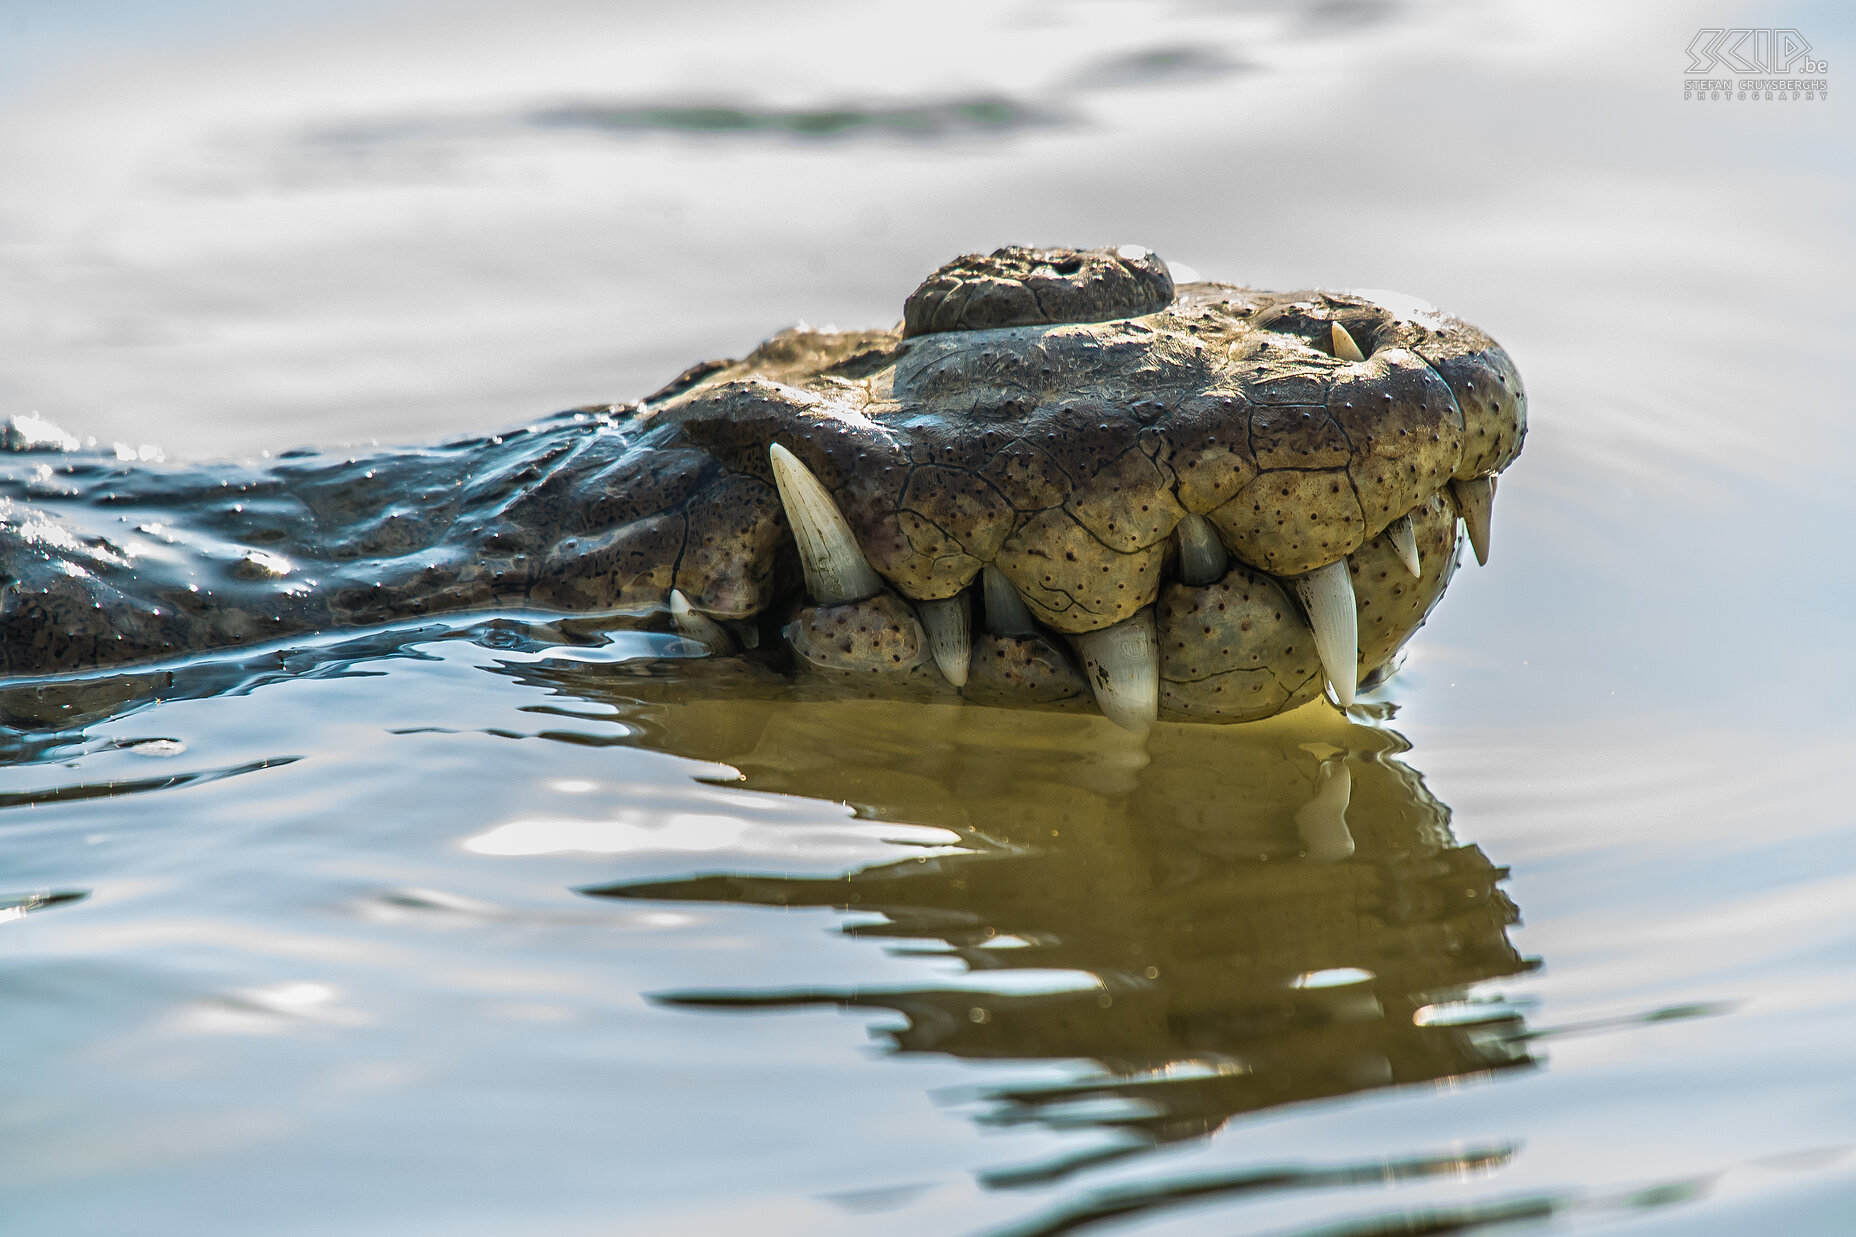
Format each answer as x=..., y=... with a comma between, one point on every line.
x=105, y=790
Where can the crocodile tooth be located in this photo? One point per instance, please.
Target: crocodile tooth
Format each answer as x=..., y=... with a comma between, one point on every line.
x=1006, y=612
x=836, y=569
x=1405, y=540
x=950, y=635
x=695, y=626
x=1344, y=347
x=1122, y=664
x=1475, y=499
x=1327, y=595
x=1322, y=821
x=1202, y=558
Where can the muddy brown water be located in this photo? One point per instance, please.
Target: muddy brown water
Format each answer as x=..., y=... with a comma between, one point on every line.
x=486, y=927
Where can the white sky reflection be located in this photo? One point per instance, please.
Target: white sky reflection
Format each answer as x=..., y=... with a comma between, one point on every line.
x=629, y=830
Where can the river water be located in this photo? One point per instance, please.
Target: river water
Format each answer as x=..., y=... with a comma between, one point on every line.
x=479, y=928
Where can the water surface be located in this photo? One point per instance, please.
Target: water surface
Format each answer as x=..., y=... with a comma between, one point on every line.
x=487, y=926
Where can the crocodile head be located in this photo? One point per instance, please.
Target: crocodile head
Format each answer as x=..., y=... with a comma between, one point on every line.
x=1059, y=480
x=1062, y=476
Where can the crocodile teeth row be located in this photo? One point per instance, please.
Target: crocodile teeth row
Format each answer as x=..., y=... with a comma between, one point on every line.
x=836, y=569
x=1475, y=499
x=949, y=626
x=1327, y=595
x=1122, y=664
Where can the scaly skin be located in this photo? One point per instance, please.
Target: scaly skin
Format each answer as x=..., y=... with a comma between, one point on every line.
x=1053, y=413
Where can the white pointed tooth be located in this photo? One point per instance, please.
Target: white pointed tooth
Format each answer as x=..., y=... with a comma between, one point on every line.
x=1327, y=595
x=1202, y=557
x=1322, y=821
x=1122, y=664
x=1344, y=347
x=949, y=625
x=1475, y=500
x=697, y=627
x=836, y=569
x=1405, y=541
x=1006, y=612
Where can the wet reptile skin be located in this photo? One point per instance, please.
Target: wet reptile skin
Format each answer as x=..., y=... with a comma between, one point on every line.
x=1055, y=413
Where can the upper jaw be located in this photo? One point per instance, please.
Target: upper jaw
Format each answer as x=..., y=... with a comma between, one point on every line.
x=1087, y=444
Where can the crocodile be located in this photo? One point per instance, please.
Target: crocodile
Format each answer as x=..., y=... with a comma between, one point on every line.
x=1062, y=480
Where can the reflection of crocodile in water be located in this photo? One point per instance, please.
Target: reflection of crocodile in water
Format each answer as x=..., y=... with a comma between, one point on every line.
x=1199, y=502
x=1258, y=918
